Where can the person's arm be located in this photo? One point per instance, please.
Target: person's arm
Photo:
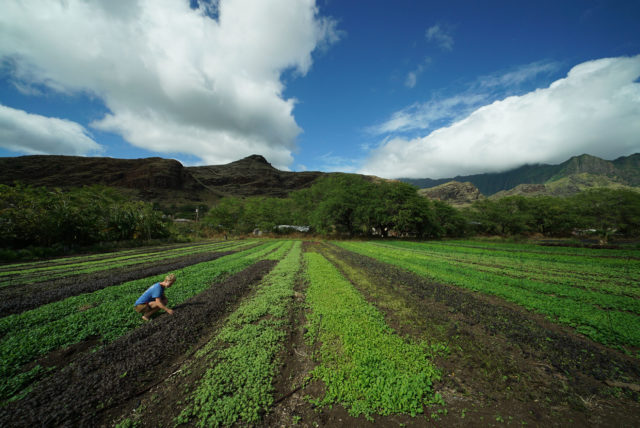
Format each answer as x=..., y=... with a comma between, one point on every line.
x=161, y=305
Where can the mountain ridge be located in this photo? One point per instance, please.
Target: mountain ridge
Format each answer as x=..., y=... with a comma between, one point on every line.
x=623, y=170
x=167, y=182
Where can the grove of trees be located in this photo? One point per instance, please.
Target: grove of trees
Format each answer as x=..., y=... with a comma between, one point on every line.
x=339, y=205
x=37, y=216
x=343, y=205
x=602, y=212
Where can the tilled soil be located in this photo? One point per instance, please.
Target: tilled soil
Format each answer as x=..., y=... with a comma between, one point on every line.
x=95, y=257
x=20, y=298
x=505, y=364
x=82, y=393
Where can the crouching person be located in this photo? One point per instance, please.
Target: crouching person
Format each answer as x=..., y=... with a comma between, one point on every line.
x=154, y=299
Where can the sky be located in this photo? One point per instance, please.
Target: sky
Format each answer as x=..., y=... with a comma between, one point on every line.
x=402, y=88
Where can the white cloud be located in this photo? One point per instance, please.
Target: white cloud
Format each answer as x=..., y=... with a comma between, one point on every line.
x=443, y=111
x=421, y=116
x=23, y=132
x=595, y=109
x=173, y=78
x=517, y=76
x=441, y=36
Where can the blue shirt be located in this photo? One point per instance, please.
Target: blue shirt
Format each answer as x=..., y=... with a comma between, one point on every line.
x=152, y=293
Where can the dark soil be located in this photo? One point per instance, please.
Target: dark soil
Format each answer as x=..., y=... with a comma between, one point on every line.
x=505, y=364
x=97, y=256
x=17, y=299
x=82, y=393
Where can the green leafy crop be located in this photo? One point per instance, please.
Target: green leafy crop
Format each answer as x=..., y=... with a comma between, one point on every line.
x=239, y=385
x=107, y=313
x=364, y=365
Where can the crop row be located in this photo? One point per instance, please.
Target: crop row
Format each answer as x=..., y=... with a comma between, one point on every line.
x=588, y=264
x=14, y=300
x=575, y=307
x=112, y=259
x=107, y=314
x=238, y=385
x=40, y=274
x=98, y=256
x=560, y=278
x=540, y=249
x=363, y=363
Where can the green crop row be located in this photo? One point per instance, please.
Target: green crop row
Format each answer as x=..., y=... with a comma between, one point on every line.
x=80, y=262
x=542, y=283
x=106, y=313
x=48, y=273
x=588, y=262
x=537, y=248
x=590, y=274
x=96, y=259
x=239, y=385
x=546, y=279
x=364, y=364
x=611, y=327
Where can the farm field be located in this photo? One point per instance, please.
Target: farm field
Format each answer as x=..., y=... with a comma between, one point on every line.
x=319, y=333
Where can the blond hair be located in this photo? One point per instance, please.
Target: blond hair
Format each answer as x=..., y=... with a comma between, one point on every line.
x=170, y=278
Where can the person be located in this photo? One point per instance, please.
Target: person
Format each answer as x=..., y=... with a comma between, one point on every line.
x=154, y=299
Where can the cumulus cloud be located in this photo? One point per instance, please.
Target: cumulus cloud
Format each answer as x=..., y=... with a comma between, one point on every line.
x=23, y=132
x=204, y=81
x=441, y=36
x=595, y=109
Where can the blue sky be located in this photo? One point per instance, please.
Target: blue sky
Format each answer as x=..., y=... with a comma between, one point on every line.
x=391, y=88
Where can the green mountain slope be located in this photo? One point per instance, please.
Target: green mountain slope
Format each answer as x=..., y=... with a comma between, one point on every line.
x=624, y=171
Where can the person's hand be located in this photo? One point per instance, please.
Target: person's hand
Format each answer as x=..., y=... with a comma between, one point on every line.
x=170, y=311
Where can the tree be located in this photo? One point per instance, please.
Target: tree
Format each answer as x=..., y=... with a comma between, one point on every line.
x=226, y=214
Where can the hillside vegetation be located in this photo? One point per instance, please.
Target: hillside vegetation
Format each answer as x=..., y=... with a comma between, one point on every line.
x=624, y=170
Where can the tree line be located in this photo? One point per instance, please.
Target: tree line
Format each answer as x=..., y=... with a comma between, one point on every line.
x=602, y=212
x=37, y=216
x=343, y=205
x=339, y=205
x=350, y=205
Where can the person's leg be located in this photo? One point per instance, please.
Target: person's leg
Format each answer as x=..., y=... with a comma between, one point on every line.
x=151, y=309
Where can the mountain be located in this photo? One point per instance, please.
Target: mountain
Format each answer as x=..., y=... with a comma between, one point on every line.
x=455, y=193
x=163, y=181
x=624, y=170
x=564, y=186
x=252, y=176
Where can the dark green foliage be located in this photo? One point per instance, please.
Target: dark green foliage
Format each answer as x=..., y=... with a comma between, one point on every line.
x=43, y=217
x=342, y=204
x=602, y=212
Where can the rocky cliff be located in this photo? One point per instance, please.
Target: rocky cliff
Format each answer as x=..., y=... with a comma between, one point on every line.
x=455, y=193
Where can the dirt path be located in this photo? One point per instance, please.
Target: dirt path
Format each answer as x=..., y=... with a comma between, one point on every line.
x=82, y=394
x=505, y=364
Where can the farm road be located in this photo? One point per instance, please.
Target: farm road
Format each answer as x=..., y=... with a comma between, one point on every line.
x=79, y=394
